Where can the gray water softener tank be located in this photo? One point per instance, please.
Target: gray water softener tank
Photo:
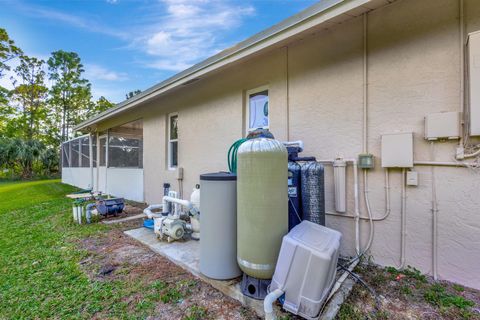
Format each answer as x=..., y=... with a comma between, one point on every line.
x=218, y=243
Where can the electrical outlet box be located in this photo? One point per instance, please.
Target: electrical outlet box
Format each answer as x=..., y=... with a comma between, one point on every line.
x=442, y=125
x=366, y=161
x=412, y=178
x=397, y=150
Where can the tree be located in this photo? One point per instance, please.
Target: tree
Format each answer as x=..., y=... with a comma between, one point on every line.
x=131, y=94
x=99, y=106
x=8, y=51
x=29, y=94
x=70, y=95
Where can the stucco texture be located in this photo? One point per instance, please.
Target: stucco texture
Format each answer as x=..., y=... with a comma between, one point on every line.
x=316, y=95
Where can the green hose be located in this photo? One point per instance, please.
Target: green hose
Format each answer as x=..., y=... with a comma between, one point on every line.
x=232, y=155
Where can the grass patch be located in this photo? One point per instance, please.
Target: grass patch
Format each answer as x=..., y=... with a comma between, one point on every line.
x=40, y=276
x=438, y=296
x=196, y=312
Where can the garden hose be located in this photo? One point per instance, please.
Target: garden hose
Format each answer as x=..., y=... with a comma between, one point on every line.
x=232, y=155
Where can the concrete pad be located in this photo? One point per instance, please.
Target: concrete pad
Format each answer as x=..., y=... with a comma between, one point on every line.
x=186, y=254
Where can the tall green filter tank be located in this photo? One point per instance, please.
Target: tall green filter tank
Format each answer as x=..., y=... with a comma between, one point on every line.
x=262, y=205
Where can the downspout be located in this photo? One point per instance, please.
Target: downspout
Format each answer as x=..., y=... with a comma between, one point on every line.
x=288, y=93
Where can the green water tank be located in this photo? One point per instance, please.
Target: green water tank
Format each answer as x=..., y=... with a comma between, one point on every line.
x=262, y=205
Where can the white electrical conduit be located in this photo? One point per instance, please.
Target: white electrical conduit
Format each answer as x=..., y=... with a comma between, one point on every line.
x=444, y=164
x=387, y=203
x=404, y=221
x=268, y=304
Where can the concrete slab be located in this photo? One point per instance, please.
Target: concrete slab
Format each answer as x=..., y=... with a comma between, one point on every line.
x=186, y=254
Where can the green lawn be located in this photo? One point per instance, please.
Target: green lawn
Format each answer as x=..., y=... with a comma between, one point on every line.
x=40, y=275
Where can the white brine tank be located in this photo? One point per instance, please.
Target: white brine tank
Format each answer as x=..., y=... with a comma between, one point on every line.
x=306, y=268
x=218, y=242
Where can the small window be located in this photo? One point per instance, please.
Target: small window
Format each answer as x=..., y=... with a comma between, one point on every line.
x=257, y=109
x=172, y=141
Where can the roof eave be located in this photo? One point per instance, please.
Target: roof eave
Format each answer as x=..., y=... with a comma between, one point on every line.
x=311, y=17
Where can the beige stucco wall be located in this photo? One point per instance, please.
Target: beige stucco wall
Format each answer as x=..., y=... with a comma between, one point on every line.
x=316, y=95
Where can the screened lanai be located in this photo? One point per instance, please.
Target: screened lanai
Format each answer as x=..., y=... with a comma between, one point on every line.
x=110, y=161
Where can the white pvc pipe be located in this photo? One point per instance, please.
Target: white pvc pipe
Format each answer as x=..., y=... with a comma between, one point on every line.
x=268, y=303
x=356, y=215
x=148, y=211
x=185, y=203
x=435, y=227
x=387, y=203
x=444, y=164
x=404, y=220
x=357, y=209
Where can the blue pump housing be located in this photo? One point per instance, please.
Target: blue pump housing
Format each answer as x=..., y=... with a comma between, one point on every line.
x=110, y=206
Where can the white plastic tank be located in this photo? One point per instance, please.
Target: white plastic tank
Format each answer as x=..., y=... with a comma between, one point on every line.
x=218, y=241
x=262, y=205
x=306, y=267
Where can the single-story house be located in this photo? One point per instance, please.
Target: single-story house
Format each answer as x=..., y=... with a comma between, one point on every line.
x=343, y=76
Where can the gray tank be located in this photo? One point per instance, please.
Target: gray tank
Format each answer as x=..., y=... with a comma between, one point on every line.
x=218, y=241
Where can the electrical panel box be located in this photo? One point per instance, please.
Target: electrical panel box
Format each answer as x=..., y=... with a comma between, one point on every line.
x=473, y=82
x=397, y=150
x=442, y=125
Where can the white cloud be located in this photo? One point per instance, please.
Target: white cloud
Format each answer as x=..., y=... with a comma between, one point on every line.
x=90, y=24
x=189, y=32
x=112, y=1
x=96, y=72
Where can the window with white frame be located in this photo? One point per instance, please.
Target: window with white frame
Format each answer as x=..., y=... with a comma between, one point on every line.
x=172, y=141
x=257, y=109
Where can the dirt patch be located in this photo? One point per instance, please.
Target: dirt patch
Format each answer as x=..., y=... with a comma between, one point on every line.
x=114, y=256
x=408, y=294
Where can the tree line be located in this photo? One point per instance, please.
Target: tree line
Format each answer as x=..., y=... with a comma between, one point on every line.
x=45, y=101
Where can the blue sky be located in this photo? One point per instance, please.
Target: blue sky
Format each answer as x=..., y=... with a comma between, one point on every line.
x=127, y=45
